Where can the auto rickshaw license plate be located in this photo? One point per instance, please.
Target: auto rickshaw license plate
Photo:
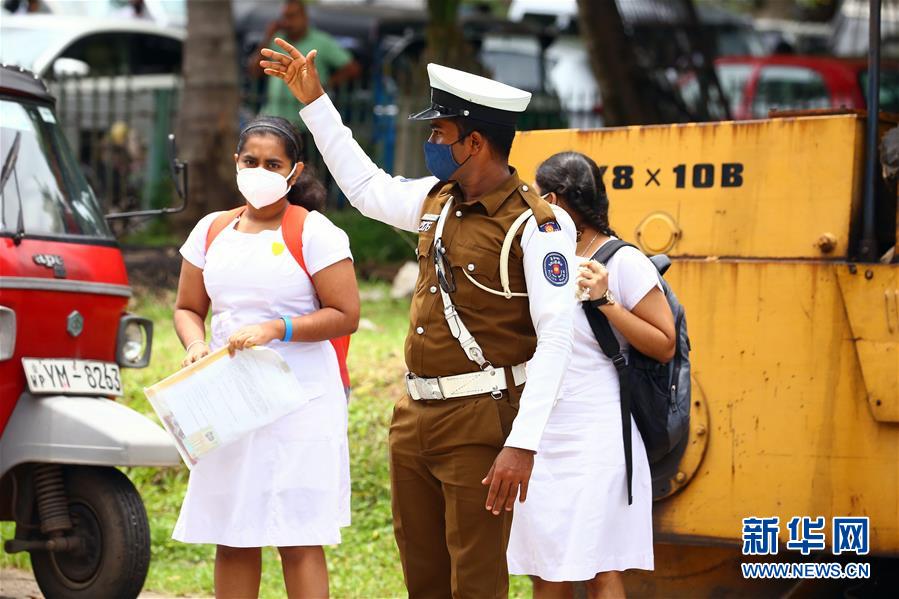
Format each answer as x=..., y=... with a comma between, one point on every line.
x=72, y=377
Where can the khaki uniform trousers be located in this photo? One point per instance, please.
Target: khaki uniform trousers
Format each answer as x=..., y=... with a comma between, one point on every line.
x=449, y=544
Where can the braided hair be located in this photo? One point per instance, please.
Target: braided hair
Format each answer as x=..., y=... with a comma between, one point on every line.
x=307, y=191
x=577, y=179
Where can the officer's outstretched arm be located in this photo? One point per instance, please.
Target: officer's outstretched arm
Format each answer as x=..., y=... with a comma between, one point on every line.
x=548, y=261
x=394, y=200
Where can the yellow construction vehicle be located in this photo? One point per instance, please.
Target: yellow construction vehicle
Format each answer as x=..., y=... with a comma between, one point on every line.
x=778, y=242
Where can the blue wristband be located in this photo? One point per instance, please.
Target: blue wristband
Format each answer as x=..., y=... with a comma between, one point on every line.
x=288, y=329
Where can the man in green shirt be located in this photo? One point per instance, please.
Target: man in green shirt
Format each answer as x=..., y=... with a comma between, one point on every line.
x=335, y=65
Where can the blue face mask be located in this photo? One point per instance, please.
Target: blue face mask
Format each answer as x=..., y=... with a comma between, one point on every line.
x=439, y=159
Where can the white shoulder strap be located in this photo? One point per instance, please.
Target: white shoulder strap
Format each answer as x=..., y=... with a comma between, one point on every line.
x=504, y=261
x=457, y=328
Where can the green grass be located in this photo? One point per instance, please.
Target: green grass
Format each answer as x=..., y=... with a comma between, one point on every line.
x=366, y=564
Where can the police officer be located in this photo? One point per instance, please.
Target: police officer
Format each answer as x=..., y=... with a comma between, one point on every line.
x=490, y=323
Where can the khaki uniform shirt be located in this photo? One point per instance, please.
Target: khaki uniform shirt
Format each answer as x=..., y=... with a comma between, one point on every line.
x=536, y=329
x=473, y=236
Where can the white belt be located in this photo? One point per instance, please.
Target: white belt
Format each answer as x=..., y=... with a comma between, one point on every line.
x=492, y=380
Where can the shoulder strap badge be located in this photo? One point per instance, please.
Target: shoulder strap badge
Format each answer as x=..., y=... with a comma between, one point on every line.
x=550, y=226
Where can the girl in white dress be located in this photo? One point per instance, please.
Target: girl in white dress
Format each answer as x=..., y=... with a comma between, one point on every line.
x=287, y=484
x=576, y=524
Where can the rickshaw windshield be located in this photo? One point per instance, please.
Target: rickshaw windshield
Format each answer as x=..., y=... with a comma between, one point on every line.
x=41, y=178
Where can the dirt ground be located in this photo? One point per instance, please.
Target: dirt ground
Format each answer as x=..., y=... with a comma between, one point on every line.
x=19, y=584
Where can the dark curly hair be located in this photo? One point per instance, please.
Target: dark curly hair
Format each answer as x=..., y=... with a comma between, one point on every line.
x=577, y=179
x=307, y=191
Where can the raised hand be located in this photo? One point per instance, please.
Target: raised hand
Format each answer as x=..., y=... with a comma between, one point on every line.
x=296, y=70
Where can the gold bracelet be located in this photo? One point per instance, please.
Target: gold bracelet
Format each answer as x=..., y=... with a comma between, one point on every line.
x=192, y=343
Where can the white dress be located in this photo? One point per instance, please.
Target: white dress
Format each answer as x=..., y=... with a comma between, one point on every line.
x=576, y=521
x=288, y=483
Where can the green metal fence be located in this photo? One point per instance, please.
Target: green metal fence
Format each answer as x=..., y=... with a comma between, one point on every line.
x=118, y=127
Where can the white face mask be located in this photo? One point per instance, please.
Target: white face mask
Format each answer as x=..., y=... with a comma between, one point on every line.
x=262, y=187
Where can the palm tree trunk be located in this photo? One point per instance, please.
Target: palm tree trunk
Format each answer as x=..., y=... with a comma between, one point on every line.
x=208, y=113
x=445, y=42
x=624, y=97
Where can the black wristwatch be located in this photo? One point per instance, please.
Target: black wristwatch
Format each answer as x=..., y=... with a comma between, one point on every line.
x=607, y=299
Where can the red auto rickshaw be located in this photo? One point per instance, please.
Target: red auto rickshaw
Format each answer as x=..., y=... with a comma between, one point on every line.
x=64, y=335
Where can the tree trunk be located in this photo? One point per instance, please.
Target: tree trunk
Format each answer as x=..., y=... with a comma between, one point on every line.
x=775, y=10
x=446, y=44
x=625, y=99
x=208, y=111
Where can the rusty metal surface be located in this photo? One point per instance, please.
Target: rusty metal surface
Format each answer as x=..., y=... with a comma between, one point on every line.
x=754, y=189
x=870, y=294
x=886, y=118
x=791, y=431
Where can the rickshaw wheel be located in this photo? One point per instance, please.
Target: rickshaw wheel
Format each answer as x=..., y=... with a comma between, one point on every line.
x=108, y=514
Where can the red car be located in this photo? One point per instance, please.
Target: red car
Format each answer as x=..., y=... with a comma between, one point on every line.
x=64, y=335
x=755, y=85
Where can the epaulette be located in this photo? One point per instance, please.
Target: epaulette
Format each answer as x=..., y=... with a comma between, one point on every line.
x=542, y=210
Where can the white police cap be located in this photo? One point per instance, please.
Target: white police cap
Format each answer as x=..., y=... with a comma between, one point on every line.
x=456, y=93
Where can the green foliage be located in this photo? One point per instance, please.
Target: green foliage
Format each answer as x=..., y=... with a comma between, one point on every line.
x=373, y=241
x=366, y=564
x=156, y=233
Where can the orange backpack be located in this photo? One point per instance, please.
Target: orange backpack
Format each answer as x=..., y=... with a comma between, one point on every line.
x=292, y=231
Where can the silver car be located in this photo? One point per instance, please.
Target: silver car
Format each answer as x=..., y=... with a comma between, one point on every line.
x=116, y=82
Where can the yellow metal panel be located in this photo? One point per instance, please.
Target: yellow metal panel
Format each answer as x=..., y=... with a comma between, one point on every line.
x=791, y=433
x=871, y=295
x=747, y=189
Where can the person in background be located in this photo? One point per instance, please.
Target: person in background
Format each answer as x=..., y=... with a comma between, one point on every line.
x=293, y=290
x=23, y=7
x=335, y=64
x=133, y=9
x=576, y=524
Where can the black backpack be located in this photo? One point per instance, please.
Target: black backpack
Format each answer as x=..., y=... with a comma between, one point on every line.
x=658, y=395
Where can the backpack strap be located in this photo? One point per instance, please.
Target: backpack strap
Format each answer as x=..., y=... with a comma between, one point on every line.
x=292, y=231
x=609, y=249
x=220, y=222
x=602, y=330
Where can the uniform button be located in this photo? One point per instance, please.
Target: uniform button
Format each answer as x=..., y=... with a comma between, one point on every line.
x=524, y=188
x=471, y=268
x=433, y=289
x=459, y=213
x=420, y=330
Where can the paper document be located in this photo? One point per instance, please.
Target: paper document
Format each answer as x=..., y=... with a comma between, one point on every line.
x=219, y=399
